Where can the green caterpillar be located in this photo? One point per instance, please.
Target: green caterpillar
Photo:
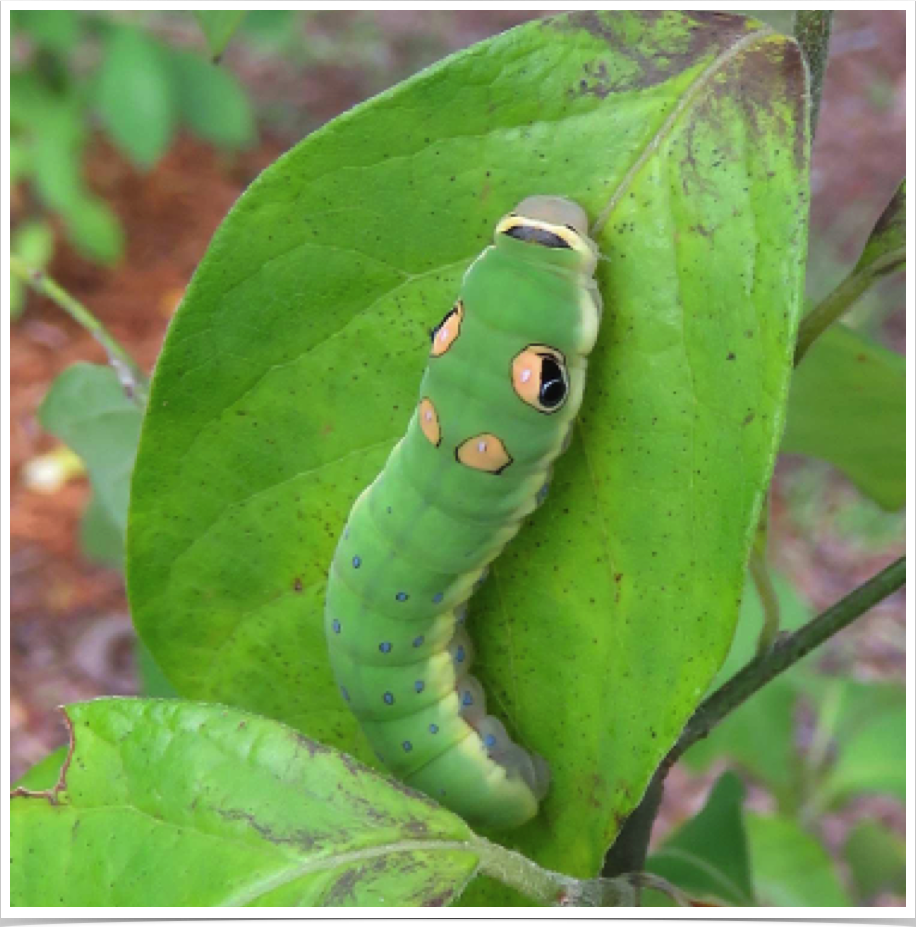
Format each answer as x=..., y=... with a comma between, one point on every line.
x=497, y=402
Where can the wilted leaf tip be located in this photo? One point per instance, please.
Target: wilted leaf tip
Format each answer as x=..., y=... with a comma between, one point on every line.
x=688, y=39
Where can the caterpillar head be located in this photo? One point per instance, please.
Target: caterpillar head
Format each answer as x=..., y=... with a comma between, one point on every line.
x=554, y=223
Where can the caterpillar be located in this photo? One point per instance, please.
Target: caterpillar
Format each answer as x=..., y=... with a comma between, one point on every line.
x=502, y=387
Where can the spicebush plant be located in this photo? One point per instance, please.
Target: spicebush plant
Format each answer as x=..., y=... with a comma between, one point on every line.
x=607, y=632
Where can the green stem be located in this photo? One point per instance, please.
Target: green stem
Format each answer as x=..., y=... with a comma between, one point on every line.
x=784, y=654
x=812, y=30
x=555, y=889
x=132, y=378
x=816, y=322
x=769, y=601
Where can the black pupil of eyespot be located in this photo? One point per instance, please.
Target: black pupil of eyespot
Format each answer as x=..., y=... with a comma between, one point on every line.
x=553, y=386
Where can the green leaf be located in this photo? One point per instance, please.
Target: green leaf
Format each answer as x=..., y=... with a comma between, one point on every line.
x=212, y=101
x=153, y=683
x=293, y=366
x=134, y=96
x=871, y=733
x=101, y=537
x=33, y=242
x=218, y=27
x=876, y=857
x=884, y=252
x=708, y=857
x=791, y=868
x=57, y=131
x=170, y=803
x=45, y=773
x=94, y=229
x=59, y=136
x=87, y=409
x=54, y=30
x=848, y=406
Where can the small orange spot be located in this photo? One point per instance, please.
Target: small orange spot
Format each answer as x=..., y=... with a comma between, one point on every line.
x=484, y=452
x=429, y=422
x=448, y=330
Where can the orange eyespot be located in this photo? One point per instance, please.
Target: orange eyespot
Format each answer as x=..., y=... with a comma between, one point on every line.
x=484, y=452
x=540, y=379
x=429, y=422
x=445, y=333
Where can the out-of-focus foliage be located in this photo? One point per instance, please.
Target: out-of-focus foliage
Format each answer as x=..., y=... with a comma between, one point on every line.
x=848, y=406
x=708, y=856
x=790, y=866
x=885, y=250
x=76, y=71
x=816, y=743
x=218, y=26
x=33, y=242
x=876, y=857
x=87, y=408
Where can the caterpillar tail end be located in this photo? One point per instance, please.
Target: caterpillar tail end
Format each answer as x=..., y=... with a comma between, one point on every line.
x=514, y=783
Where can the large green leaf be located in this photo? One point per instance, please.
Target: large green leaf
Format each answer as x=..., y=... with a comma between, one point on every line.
x=848, y=406
x=293, y=366
x=178, y=804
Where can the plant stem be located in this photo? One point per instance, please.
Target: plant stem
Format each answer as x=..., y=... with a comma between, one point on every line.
x=784, y=654
x=628, y=854
x=132, y=378
x=555, y=889
x=769, y=601
x=816, y=322
x=812, y=30
x=633, y=841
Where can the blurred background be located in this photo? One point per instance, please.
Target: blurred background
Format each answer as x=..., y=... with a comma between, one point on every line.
x=128, y=146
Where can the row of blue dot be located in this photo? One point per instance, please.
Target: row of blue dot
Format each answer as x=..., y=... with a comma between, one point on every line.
x=388, y=697
x=385, y=646
x=401, y=596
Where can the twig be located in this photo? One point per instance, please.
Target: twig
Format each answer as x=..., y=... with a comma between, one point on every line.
x=812, y=30
x=816, y=322
x=132, y=378
x=784, y=654
x=769, y=601
x=555, y=889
